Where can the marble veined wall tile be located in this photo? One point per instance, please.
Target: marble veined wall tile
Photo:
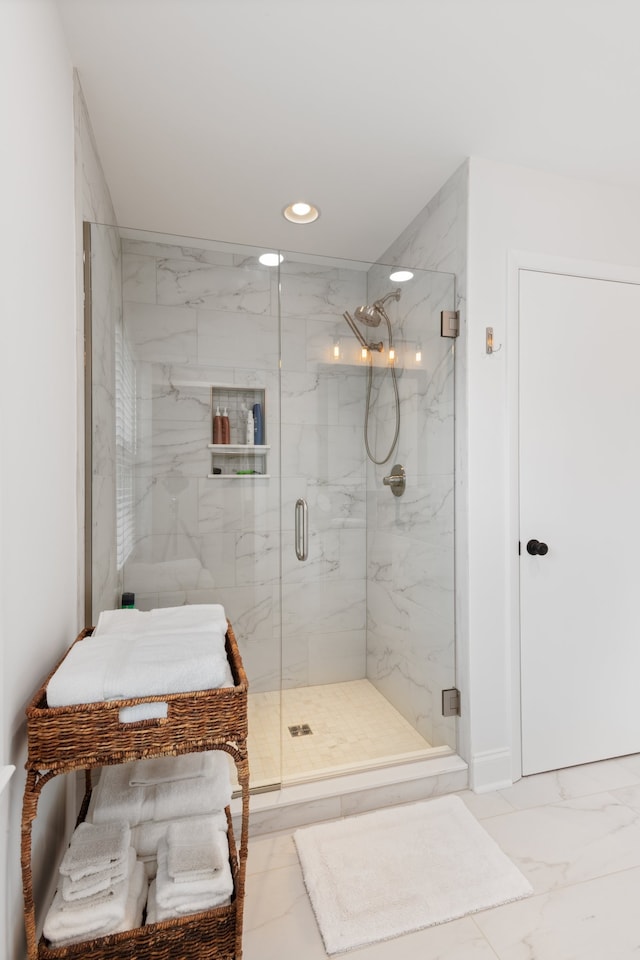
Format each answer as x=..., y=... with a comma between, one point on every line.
x=318, y=292
x=230, y=289
x=222, y=256
x=161, y=334
x=237, y=341
x=139, y=278
x=173, y=448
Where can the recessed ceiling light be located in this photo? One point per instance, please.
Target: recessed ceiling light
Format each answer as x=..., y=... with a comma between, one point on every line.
x=270, y=259
x=301, y=212
x=399, y=276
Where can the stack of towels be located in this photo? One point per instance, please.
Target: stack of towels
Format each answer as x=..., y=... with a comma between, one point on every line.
x=193, y=870
x=102, y=888
x=133, y=654
x=150, y=795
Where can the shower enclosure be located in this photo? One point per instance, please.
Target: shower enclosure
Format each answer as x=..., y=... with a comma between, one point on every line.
x=341, y=593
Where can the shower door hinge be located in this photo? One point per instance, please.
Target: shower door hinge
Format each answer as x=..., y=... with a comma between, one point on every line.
x=451, y=702
x=449, y=323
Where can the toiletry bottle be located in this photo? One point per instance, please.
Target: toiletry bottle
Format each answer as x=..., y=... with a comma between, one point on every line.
x=258, y=424
x=128, y=601
x=250, y=429
x=226, y=429
x=217, y=427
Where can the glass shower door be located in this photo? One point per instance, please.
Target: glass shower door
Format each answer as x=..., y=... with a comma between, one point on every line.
x=367, y=614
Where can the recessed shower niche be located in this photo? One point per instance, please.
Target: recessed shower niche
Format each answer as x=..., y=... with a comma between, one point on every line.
x=239, y=455
x=356, y=636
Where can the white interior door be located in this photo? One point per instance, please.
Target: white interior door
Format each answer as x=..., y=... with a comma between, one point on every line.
x=580, y=495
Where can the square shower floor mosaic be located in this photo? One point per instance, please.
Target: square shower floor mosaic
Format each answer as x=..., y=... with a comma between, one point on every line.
x=351, y=724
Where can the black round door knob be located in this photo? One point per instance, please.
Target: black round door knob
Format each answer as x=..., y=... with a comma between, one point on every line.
x=536, y=548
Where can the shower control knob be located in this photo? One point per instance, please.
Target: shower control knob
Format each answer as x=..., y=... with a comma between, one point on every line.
x=397, y=480
x=537, y=549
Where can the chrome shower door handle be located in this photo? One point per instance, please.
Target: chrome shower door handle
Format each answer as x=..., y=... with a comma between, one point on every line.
x=302, y=529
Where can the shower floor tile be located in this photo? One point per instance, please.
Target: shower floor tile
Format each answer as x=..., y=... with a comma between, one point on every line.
x=352, y=724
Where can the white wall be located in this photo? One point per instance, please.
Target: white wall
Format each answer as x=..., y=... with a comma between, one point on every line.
x=513, y=209
x=38, y=409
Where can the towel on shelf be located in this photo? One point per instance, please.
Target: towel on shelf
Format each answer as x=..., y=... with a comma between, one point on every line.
x=178, y=899
x=134, y=653
x=99, y=887
x=196, y=797
x=146, y=836
x=95, y=849
x=189, y=617
x=197, y=849
x=121, y=621
x=64, y=926
x=156, y=914
x=114, y=799
x=166, y=769
x=126, y=666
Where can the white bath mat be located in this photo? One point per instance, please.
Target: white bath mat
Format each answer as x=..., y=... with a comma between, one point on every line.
x=382, y=874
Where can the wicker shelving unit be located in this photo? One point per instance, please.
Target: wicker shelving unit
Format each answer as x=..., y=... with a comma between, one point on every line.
x=87, y=736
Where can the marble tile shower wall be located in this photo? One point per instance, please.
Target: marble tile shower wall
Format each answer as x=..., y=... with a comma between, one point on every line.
x=410, y=608
x=198, y=317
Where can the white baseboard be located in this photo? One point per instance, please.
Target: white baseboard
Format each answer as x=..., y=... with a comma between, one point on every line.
x=490, y=770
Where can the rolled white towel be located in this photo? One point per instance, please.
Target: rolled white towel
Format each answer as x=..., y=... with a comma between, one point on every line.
x=197, y=849
x=192, y=897
x=63, y=926
x=146, y=836
x=95, y=849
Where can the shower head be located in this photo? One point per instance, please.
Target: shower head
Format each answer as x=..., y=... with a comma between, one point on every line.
x=374, y=313
x=368, y=315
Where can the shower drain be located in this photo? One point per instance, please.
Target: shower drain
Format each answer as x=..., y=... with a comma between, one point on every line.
x=300, y=730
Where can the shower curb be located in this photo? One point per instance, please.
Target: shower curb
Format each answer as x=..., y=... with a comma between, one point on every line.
x=348, y=794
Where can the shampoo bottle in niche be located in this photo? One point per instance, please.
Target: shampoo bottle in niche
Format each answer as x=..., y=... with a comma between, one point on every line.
x=250, y=429
x=226, y=429
x=217, y=427
x=258, y=424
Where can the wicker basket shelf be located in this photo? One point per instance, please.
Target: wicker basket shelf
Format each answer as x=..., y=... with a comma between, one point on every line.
x=85, y=736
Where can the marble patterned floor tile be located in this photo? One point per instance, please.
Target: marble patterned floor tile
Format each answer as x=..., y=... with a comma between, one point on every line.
x=569, y=842
x=572, y=782
x=596, y=920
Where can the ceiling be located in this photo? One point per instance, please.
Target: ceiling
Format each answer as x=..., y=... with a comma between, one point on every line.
x=210, y=116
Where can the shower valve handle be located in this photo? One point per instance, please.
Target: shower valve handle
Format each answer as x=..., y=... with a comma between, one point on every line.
x=397, y=480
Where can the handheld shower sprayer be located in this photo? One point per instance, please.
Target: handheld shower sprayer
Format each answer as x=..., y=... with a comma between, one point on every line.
x=372, y=315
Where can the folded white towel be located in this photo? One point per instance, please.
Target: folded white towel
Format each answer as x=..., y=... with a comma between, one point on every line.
x=150, y=664
x=167, y=769
x=197, y=849
x=114, y=799
x=193, y=896
x=190, y=617
x=146, y=836
x=99, y=887
x=156, y=914
x=196, y=797
x=95, y=849
x=62, y=927
x=116, y=666
x=121, y=621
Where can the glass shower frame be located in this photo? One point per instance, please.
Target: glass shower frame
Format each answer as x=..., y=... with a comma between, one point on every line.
x=175, y=317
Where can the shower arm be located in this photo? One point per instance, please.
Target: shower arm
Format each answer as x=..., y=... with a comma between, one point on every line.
x=361, y=340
